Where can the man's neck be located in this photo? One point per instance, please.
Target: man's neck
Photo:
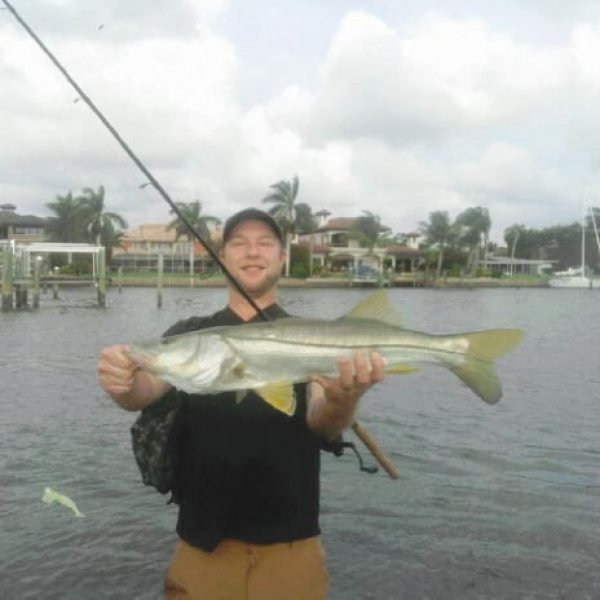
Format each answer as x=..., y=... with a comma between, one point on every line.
x=239, y=305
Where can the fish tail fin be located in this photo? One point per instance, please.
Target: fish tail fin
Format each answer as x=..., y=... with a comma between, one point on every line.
x=478, y=372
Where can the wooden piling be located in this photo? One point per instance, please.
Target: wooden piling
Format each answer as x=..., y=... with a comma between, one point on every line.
x=102, y=277
x=159, y=281
x=7, y=278
x=192, y=264
x=120, y=279
x=55, y=284
x=35, y=300
x=21, y=296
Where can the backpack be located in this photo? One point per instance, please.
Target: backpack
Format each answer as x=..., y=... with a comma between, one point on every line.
x=153, y=438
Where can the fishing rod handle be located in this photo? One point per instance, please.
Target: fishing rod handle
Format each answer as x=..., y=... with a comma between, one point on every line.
x=367, y=439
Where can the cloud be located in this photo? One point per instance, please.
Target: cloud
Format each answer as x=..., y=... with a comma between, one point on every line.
x=167, y=97
x=441, y=114
x=369, y=89
x=115, y=19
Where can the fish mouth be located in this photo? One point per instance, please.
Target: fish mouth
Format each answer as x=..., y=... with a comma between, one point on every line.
x=141, y=357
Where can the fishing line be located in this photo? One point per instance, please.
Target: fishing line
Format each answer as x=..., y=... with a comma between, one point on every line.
x=141, y=166
x=361, y=433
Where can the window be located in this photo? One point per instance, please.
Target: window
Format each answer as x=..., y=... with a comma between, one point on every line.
x=25, y=230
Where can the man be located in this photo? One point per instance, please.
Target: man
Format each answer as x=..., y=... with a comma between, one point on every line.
x=247, y=476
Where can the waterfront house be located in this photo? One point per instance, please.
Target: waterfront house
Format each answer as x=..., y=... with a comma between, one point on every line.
x=23, y=229
x=333, y=247
x=141, y=247
x=505, y=265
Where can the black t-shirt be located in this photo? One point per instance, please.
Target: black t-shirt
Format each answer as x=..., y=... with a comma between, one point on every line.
x=244, y=470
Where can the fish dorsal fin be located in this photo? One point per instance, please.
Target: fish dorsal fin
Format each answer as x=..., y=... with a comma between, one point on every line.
x=279, y=395
x=375, y=307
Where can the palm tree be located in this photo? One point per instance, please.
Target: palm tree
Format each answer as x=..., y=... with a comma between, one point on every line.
x=306, y=223
x=286, y=212
x=511, y=237
x=94, y=215
x=110, y=238
x=192, y=211
x=367, y=229
x=475, y=223
x=440, y=232
x=67, y=223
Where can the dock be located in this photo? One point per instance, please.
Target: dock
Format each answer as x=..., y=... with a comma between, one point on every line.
x=22, y=277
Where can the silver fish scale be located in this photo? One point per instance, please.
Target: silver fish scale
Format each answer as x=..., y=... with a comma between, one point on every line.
x=342, y=333
x=296, y=349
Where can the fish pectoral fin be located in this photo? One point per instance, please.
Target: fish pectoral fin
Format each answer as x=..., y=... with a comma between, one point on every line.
x=240, y=395
x=279, y=395
x=375, y=307
x=401, y=369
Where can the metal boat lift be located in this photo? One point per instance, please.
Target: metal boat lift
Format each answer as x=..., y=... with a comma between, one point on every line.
x=20, y=269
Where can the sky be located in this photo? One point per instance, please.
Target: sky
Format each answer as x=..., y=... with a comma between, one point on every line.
x=395, y=107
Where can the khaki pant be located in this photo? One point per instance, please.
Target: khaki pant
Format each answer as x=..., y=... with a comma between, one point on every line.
x=240, y=571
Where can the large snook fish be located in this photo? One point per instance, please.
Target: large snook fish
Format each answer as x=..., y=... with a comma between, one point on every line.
x=269, y=357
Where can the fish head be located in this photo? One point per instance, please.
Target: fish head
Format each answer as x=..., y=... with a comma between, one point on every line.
x=191, y=362
x=166, y=354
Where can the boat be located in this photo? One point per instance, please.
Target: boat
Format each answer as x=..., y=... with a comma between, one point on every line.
x=579, y=277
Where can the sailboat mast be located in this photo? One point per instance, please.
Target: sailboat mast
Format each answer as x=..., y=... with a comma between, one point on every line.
x=583, y=245
x=595, y=229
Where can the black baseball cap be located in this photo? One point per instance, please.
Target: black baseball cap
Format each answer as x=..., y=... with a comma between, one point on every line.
x=252, y=214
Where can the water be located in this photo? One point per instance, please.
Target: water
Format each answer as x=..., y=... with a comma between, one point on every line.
x=493, y=502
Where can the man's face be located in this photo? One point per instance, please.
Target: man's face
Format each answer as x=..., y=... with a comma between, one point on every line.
x=254, y=257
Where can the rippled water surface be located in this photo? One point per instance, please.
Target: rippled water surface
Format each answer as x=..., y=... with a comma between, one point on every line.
x=493, y=502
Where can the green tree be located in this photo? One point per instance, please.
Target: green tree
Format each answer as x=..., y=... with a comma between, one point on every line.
x=286, y=212
x=306, y=224
x=367, y=229
x=110, y=238
x=475, y=224
x=439, y=232
x=388, y=237
x=95, y=217
x=192, y=211
x=66, y=225
x=511, y=237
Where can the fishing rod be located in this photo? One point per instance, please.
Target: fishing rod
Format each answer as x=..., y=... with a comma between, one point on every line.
x=363, y=435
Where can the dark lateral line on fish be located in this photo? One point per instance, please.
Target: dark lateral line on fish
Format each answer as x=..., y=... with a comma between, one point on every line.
x=141, y=166
x=370, y=443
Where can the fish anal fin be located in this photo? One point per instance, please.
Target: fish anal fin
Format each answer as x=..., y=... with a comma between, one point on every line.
x=375, y=307
x=400, y=369
x=279, y=395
